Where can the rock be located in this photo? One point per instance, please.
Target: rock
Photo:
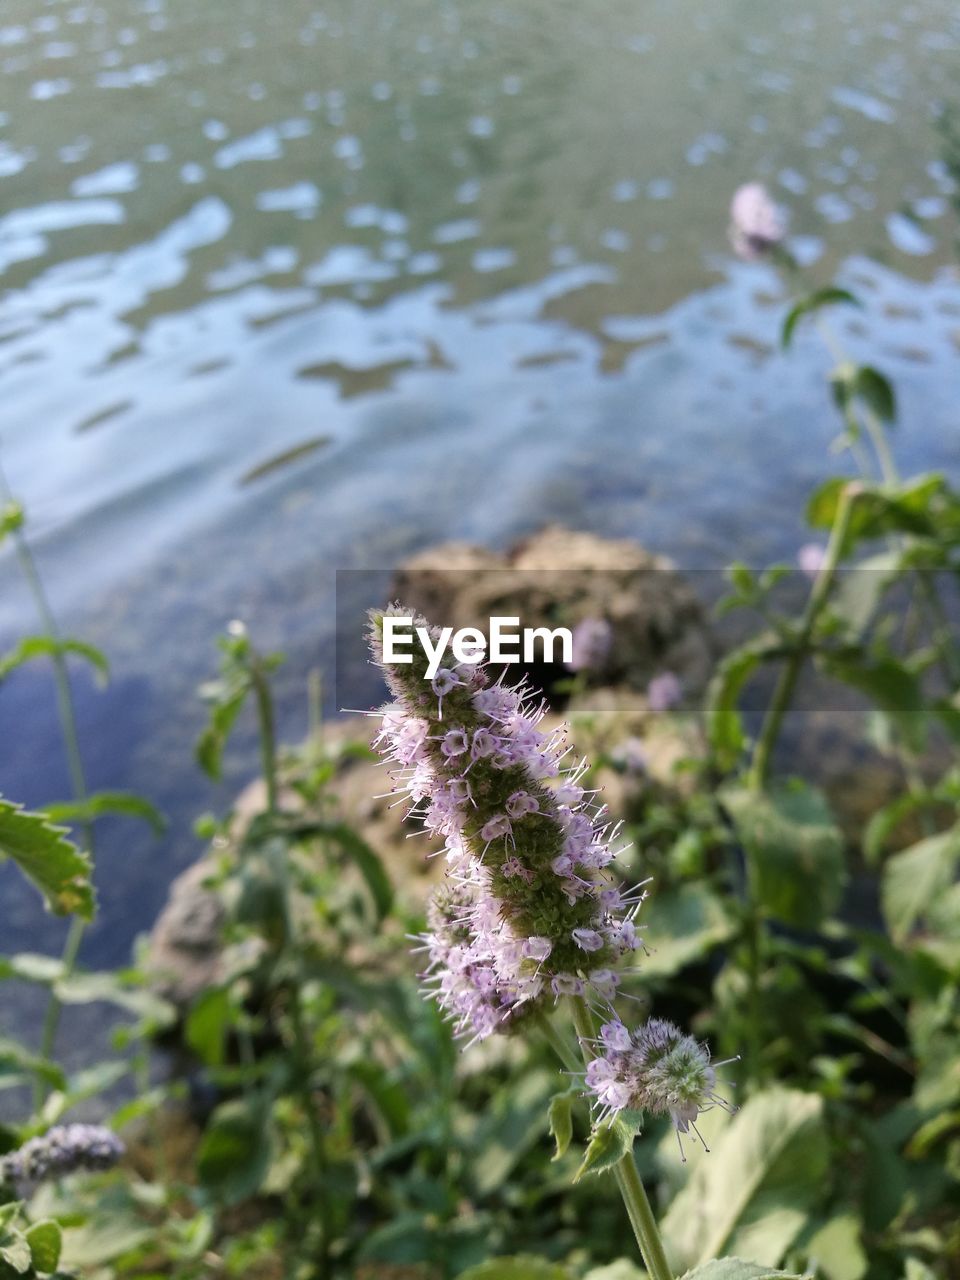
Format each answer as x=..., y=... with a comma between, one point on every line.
x=559, y=577
x=185, y=955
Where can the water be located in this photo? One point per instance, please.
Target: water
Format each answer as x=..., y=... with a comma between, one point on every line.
x=291, y=290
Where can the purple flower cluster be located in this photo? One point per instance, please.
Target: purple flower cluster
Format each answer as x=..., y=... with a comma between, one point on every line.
x=757, y=224
x=527, y=911
x=656, y=1069
x=62, y=1150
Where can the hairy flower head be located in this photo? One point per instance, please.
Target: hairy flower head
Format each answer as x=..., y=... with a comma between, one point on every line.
x=60, y=1151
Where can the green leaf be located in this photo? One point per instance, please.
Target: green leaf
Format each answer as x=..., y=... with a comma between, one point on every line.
x=57, y=867
x=51, y=647
x=682, y=925
x=519, y=1267
x=852, y=382
x=723, y=722
x=45, y=1240
x=755, y=1191
x=364, y=858
x=794, y=850
x=123, y=803
x=814, y=302
x=207, y=1024
x=17, y=1061
x=223, y=715
x=512, y=1126
x=858, y=590
x=836, y=1249
x=234, y=1153
x=737, y=1269
x=622, y=1269
x=561, y=1122
x=607, y=1147
x=880, y=511
x=915, y=878
x=11, y=519
x=89, y=988
x=15, y=1252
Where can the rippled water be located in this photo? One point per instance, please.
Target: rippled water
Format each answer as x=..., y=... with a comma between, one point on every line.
x=288, y=288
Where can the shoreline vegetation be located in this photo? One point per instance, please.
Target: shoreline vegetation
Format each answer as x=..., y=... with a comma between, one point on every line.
x=673, y=933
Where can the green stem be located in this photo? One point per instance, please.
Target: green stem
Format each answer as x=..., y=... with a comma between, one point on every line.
x=786, y=685
x=635, y=1199
x=268, y=735
x=78, y=781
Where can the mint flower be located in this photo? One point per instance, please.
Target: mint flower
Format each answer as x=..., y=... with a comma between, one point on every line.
x=757, y=224
x=592, y=640
x=62, y=1150
x=656, y=1069
x=664, y=691
x=528, y=912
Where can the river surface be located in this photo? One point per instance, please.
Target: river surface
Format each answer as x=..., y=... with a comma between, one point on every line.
x=289, y=288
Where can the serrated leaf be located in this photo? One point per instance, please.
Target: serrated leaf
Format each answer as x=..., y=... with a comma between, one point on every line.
x=608, y=1145
x=794, y=850
x=48, y=859
x=101, y=803
x=736, y=1269
x=815, y=301
x=756, y=1190
x=45, y=1240
x=561, y=1122
x=914, y=879
x=52, y=647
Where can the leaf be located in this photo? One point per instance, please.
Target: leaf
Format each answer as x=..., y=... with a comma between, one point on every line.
x=514, y=1124
x=57, y=867
x=561, y=1122
x=367, y=862
x=737, y=1269
x=836, y=1249
x=519, y=1267
x=234, y=1153
x=51, y=647
x=207, y=1023
x=209, y=750
x=11, y=519
x=875, y=389
x=915, y=878
x=682, y=925
x=857, y=591
x=879, y=511
x=607, y=1147
x=622, y=1269
x=89, y=988
x=17, y=1061
x=756, y=1190
x=827, y=297
x=124, y=803
x=723, y=721
x=15, y=1252
x=45, y=1240
x=794, y=850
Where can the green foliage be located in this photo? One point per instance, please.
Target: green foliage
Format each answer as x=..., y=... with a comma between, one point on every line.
x=794, y=850
x=816, y=301
x=52, y=647
x=760, y=1186
x=44, y=855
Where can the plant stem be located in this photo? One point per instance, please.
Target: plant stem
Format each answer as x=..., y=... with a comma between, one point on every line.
x=78, y=781
x=635, y=1199
x=786, y=685
x=268, y=734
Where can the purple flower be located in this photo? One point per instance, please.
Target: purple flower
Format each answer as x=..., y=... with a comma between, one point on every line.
x=592, y=641
x=656, y=1069
x=527, y=911
x=663, y=692
x=757, y=224
x=60, y=1151
x=810, y=558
